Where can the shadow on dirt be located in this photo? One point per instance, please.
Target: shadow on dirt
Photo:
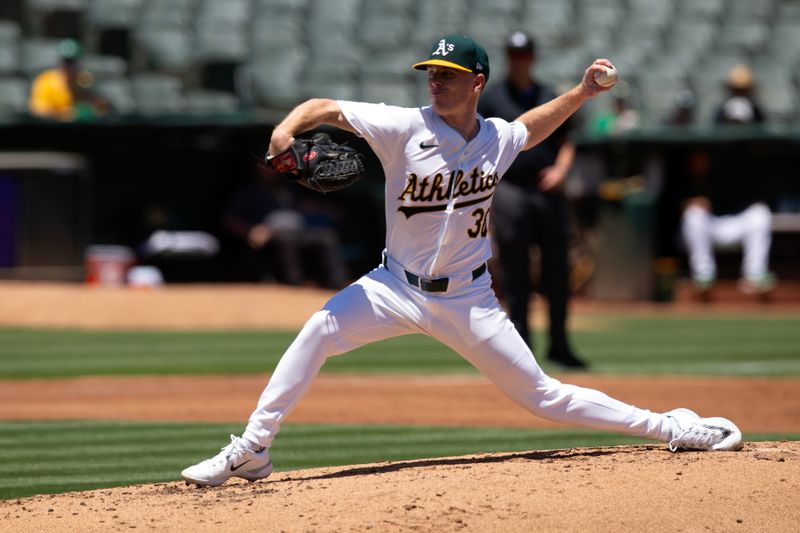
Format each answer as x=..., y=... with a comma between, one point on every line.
x=543, y=456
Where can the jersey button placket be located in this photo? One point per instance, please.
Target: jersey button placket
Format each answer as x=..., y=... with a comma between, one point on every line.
x=442, y=241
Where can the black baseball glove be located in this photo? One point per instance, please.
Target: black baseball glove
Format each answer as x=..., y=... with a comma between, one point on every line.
x=319, y=163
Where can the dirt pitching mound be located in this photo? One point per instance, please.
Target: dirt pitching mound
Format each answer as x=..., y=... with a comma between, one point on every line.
x=623, y=488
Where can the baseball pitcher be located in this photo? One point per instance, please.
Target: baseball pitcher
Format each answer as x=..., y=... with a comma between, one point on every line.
x=442, y=164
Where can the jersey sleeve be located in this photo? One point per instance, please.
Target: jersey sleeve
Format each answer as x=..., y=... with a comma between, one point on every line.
x=513, y=136
x=383, y=127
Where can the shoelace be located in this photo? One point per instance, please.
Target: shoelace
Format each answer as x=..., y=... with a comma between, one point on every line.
x=696, y=437
x=226, y=450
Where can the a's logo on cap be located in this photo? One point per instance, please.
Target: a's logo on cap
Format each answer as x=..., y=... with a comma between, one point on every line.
x=443, y=49
x=478, y=66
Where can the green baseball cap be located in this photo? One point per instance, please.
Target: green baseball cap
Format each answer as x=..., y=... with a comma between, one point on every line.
x=69, y=49
x=458, y=52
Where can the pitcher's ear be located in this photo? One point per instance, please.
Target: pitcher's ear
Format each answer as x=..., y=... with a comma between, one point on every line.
x=481, y=85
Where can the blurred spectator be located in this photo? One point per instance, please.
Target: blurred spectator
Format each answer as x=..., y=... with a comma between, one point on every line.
x=683, y=115
x=283, y=238
x=619, y=119
x=740, y=106
x=708, y=222
x=65, y=92
x=530, y=206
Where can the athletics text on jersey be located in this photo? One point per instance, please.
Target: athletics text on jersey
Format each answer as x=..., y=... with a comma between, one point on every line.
x=439, y=187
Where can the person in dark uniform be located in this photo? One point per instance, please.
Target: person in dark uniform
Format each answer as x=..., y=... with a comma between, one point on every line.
x=280, y=236
x=529, y=205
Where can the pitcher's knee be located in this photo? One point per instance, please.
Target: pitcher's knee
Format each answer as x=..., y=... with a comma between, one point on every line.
x=321, y=330
x=695, y=216
x=759, y=217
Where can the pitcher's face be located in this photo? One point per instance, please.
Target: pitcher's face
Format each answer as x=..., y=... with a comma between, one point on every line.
x=451, y=89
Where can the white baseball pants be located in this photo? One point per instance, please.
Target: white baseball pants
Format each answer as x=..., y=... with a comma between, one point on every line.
x=751, y=229
x=469, y=320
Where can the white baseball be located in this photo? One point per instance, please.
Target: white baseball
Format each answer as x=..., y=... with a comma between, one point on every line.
x=607, y=78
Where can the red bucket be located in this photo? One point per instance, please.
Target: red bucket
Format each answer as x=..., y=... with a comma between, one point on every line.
x=107, y=265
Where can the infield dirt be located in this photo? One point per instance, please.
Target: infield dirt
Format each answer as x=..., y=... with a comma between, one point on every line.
x=625, y=488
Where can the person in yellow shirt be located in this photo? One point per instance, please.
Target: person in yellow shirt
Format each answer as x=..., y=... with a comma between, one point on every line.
x=65, y=92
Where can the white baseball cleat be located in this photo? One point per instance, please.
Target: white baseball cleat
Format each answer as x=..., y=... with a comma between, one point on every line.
x=235, y=460
x=696, y=433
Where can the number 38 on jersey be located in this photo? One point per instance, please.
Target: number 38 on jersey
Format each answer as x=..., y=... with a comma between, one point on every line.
x=480, y=229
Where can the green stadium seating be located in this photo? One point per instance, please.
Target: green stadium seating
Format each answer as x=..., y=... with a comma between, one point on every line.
x=158, y=94
x=104, y=67
x=13, y=96
x=203, y=102
x=363, y=48
x=38, y=54
x=119, y=94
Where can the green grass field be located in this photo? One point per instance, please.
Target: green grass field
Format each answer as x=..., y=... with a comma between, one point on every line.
x=51, y=457
x=746, y=345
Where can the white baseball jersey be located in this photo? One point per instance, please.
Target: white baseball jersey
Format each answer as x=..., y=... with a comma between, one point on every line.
x=439, y=187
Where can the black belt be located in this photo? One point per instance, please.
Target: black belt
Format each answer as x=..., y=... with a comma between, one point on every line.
x=434, y=285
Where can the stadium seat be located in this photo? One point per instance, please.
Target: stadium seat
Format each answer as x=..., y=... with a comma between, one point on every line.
x=496, y=10
x=9, y=47
x=13, y=96
x=230, y=15
x=748, y=37
x=390, y=66
x=328, y=17
x=490, y=32
x=788, y=11
x=695, y=35
x=390, y=93
x=600, y=16
x=337, y=90
x=385, y=34
x=280, y=5
x=157, y=15
x=596, y=40
x=561, y=66
x=334, y=57
x=709, y=96
x=57, y=18
x=436, y=18
x=158, y=94
x=110, y=26
x=103, y=67
x=703, y=9
x=52, y=5
x=388, y=8
x=658, y=98
x=750, y=10
x=168, y=49
x=783, y=43
x=664, y=8
x=203, y=102
x=636, y=38
x=779, y=99
x=218, y=55
x=210, y=45
x=273, y=79
x=113, y=13
x=9, y=31
x=38, y=54
x=119, y=94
